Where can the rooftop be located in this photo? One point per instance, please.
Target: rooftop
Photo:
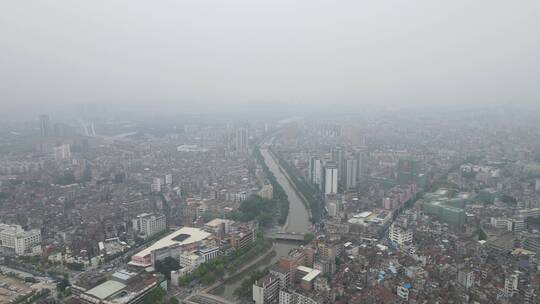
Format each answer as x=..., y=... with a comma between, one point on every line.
x=182, y=236
x=216, y=222
x=311, y=273
x=106, y=289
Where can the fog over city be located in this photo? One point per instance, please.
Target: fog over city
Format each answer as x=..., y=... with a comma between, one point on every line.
x=216, y=54
x=269, y=152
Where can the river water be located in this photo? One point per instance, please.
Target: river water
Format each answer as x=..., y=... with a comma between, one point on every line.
x=297, y=221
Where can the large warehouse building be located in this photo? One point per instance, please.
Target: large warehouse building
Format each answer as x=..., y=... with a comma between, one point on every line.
x=185, y=238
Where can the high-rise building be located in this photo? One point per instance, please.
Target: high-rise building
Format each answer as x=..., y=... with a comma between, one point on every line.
x=465, y=278
x=315, y=171
x=351, y=170
x=407, y=171
x=362, y=163
x=45, y=125
x=62, y=153
x=156, y=184
x=311, y=168
x=330, y=178
x=338, y=157
x=242, y=140
x=148, y=225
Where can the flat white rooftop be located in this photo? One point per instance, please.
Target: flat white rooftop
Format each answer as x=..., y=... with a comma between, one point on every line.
x=216, y=222
x=310, y=273
x=182, y=236
x=106, y=289
x=363, y=214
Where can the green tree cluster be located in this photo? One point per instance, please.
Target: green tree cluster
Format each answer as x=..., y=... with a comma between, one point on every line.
x=279, y=194
x=256, y=208
x=158, y=296
x=245, y=289
x=66, y=179
x=207, y=273
x=507, y=199
x=214, y=270
x=308, y=237
x=62, y=284
x=167, y=265
x=155, y=296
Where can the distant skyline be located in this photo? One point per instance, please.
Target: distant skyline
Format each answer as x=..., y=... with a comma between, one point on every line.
x=213, y=55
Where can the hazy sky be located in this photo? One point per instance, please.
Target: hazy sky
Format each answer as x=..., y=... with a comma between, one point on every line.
x=234, y=52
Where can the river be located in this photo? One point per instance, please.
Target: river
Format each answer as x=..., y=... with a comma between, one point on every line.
x=297, y=221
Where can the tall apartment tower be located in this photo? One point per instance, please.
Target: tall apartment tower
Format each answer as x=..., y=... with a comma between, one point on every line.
x=62, y=153
x=466, y=278
x=351, y=173
x=45, y=125
x=330, y=178
x=242, y=140
x=407, y=171
x=361, y=155
x=338, y=156
x=315, y=172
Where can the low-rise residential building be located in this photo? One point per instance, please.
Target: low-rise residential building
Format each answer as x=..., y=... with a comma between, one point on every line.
x=191, y=260
x=399, y=235
x=403, y=291
x=147, y=225
x=242, y=238
x=266, y=290
x=209, y=252
x=14, y=238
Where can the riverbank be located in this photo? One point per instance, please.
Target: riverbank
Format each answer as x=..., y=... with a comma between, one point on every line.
x=310, y=196
x=227, y=277
x=279, y=193
x=293, y=184
x=297, y=221
x=298, y=212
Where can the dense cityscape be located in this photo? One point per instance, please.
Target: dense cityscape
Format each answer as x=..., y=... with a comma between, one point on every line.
x=269, y=152
x=386, y=208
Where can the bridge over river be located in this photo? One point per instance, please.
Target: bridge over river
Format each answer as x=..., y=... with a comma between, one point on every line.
x=287, y=236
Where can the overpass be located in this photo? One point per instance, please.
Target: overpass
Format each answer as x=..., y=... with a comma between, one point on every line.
x=287, y=236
